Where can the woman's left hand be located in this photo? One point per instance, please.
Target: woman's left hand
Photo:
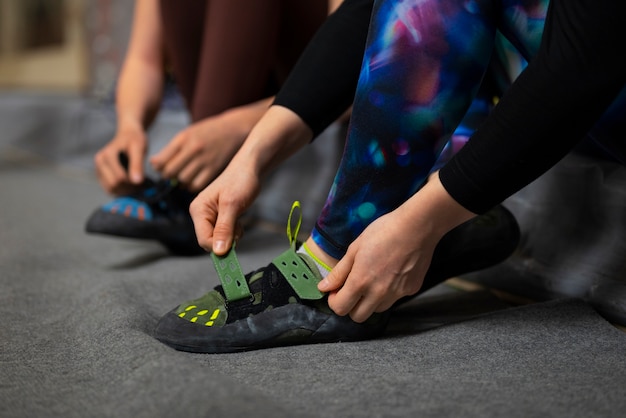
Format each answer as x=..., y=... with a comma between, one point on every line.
x=386, y=262
x=392, y=255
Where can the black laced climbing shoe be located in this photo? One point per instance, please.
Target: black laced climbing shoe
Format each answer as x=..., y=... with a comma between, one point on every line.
x=281, y=305
x=273, y=306
x=158, y=211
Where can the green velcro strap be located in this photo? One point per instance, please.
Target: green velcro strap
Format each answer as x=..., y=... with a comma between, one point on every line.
x=299, y=275
x=232, y=277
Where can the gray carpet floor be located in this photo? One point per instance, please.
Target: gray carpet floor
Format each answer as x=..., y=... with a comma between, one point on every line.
x=78, y=313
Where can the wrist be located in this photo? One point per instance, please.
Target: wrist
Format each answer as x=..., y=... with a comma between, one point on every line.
x=432, y=208
x=278, y=135
x=129, y=125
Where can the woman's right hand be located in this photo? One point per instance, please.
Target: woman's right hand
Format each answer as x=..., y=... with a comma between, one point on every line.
x=112, y=176
x=216, y=210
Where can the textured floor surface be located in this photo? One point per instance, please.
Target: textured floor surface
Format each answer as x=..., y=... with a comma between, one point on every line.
x=79, y=311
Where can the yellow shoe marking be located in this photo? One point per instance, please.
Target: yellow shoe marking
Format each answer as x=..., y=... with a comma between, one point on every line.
x=187, y=309
x=214, y=315
x=203, y=312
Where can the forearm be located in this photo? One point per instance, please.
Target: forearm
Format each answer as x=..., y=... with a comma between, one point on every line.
x=139, y=92
x=140, y=84
x=333, y=5
x=241, y=120
x=321, y=86
x=278, y=135
x=577, y=72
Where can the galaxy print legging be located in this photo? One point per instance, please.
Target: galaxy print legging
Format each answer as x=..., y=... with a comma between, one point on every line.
x=424, y=62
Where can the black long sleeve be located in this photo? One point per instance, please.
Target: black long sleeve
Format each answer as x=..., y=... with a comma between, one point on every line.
x=580, y=68
x=322, y=84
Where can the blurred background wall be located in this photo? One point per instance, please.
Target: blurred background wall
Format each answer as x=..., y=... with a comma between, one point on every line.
x=73, y=46
x=59, y=61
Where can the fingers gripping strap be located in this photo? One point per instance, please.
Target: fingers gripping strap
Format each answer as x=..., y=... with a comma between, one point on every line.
x=298, y=275
x=231, y=276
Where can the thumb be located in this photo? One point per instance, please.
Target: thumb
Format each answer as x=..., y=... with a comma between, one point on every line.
x=224, y=231
x=337, y=276
x=136, y=152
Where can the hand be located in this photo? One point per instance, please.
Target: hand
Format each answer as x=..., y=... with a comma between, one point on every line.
x=385, y=263
x=112, y=176
x=198, y=154
x=276, y=136
x=391, y=256
x=216, y=209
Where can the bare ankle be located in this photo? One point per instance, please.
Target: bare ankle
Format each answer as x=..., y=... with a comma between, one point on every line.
x=316, y=251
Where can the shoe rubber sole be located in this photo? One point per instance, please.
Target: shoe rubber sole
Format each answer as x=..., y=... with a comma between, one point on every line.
x=286, y=325
x=177, y=239
x=472, y=246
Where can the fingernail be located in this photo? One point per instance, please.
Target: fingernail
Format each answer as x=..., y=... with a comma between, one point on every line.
x=323, y=285
x=219, y=246
x=135, y=178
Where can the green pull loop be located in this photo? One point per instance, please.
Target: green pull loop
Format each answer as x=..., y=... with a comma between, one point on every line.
x=294, y=237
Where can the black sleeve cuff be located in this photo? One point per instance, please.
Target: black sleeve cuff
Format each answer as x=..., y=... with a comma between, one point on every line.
x=321, y=86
